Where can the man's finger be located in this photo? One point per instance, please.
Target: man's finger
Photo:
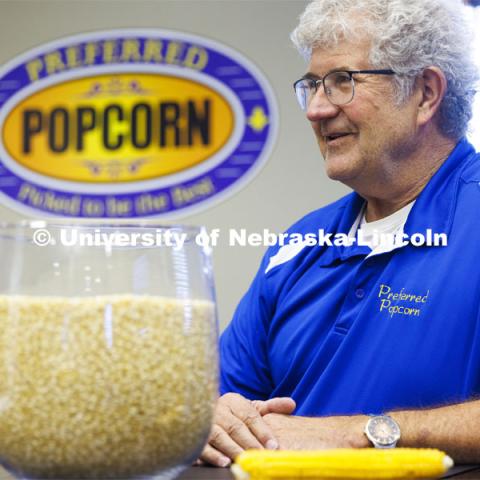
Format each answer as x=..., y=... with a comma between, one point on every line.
x=212, y=456
x=285, y=405
x=253, y=423
x=240, y=420
x=226, y=444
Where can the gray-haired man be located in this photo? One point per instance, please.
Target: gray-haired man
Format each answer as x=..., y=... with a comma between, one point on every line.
x=339, y=332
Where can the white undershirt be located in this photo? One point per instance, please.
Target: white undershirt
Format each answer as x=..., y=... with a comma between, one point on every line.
x=372, y=231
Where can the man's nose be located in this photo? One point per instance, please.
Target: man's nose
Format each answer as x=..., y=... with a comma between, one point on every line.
x=320, y=107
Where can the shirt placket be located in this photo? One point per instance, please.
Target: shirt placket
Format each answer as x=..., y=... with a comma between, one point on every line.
x=360, y=290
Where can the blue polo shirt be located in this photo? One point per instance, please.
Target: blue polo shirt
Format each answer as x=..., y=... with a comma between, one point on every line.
x=343, y=332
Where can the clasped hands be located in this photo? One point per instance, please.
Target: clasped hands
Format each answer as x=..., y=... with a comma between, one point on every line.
x=239, y=424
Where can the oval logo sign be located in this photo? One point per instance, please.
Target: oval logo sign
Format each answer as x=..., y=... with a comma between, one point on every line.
x=131, y=123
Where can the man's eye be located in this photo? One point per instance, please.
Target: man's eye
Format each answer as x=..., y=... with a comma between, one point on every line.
x=342, y=79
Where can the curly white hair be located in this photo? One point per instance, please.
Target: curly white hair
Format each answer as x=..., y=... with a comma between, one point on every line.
x=407, y=36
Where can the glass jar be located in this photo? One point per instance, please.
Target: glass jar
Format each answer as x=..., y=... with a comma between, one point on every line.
x=108, y=349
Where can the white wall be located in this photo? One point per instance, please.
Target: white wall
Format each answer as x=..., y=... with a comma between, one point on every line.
x=474, y=134
x=293, y=181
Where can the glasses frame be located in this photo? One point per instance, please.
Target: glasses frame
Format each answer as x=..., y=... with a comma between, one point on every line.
x=316, y=82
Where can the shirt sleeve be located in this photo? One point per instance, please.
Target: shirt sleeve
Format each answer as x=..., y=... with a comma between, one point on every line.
x=244, y=364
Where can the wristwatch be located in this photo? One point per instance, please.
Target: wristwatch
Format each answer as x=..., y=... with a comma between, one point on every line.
x=383, y=431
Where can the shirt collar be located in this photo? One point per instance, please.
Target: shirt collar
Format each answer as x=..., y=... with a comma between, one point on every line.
x=434, y=208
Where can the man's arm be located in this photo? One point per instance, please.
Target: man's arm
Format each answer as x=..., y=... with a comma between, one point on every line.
x=454, y=429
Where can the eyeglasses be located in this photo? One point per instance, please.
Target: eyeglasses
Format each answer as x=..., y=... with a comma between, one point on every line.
x=339, y=86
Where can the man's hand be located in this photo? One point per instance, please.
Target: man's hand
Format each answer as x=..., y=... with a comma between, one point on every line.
x=238, y=425
x=305, y=433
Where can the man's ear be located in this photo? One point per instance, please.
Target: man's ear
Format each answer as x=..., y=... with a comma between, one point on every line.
x=433, y=85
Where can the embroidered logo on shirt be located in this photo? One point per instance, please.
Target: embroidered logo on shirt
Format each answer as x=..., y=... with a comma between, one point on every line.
x=401, y=302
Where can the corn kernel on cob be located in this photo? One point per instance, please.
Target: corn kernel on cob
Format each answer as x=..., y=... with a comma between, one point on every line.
x=343, y=463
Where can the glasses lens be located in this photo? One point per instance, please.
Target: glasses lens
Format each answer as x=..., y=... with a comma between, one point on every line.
x=339, y=87
x=303, y=91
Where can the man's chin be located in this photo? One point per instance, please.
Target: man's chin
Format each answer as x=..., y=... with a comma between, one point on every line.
x=339, y=171
x=345, y=179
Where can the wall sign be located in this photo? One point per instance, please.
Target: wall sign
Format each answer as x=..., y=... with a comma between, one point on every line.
x=130, y=123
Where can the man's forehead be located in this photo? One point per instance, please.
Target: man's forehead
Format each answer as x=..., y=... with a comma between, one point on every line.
x=346, y=55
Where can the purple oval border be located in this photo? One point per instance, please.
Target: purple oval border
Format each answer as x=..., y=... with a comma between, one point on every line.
x=225, y=65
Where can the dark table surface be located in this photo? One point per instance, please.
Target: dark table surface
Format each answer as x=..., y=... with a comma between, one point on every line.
x=471, y=472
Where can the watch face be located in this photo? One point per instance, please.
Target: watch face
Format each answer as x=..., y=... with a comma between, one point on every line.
x=383, y=430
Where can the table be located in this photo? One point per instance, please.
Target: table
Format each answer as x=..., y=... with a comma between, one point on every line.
x=470, y=472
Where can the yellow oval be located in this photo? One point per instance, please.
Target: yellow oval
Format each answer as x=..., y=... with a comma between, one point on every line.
x=118, y=127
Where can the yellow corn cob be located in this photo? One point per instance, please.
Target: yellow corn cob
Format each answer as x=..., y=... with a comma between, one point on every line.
x=342, y=463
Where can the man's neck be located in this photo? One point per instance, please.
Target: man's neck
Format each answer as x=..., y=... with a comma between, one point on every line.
x=406, y=187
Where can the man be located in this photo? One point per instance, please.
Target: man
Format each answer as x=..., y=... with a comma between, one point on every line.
x=334, y=333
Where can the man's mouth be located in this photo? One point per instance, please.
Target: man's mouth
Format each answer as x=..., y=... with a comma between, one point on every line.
x=336, y=138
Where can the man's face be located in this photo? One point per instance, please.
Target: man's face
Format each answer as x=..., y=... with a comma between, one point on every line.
x=380, y=134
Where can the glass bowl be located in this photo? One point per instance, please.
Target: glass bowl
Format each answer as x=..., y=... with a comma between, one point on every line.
x=108, y=349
